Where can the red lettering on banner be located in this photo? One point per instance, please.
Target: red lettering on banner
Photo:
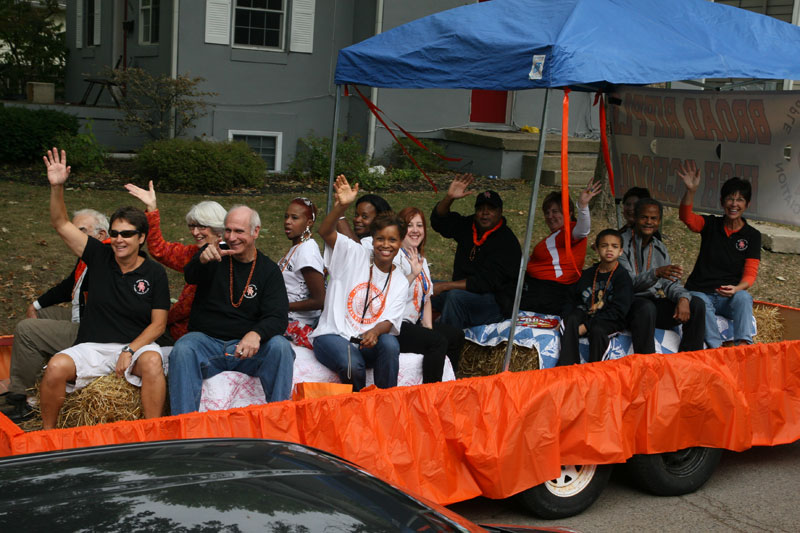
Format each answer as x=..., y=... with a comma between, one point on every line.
x=746, y=132
x=619, y=127
x=726, y=121
x=652, y=110
x=791, y=117
x=760, y=123
x=690, y=112
x=713, y=130
x=672, y=189
x=709, y=196
x=674, y=128
x=636, y=111
x=659, y=176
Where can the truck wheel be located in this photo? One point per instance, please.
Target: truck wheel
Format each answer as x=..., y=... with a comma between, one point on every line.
x=674, y=473
x=571, y=493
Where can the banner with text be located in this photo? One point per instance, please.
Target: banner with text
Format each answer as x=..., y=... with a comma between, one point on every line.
x=753, y=135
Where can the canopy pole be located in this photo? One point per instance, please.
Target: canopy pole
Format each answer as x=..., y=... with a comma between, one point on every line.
x=526, y=246
x=334, y=138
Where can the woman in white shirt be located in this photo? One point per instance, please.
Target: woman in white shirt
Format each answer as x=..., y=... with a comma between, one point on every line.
x=365, y=298
x=418, y=333
x=302, y=268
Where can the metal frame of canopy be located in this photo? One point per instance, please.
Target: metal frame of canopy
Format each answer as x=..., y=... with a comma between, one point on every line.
x=526, y=248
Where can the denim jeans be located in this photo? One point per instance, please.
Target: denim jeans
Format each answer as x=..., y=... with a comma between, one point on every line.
x=196, y=357
x=738, y=308
x=463, y=309
x=350, y=362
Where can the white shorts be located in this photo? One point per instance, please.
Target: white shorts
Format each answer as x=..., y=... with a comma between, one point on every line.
x=93, y=360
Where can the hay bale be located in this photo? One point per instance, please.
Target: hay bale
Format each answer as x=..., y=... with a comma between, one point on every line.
x=477, y=360
x=769, y=324
x=106, y=399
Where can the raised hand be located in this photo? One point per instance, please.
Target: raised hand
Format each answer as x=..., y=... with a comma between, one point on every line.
x=690, y=175
x=459, y=187
x=213, y=253
x=57, y=169
x=592, y=189
x=344, y=194
x=148, y=197
x=416, y=262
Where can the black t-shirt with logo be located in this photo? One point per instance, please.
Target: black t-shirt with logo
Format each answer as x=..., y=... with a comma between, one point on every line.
x=721, y=258
x=264, y=305
x=120, y=305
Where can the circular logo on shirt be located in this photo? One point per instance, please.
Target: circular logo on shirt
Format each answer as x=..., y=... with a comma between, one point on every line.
x=251, y=291
x=357, y=299
x=741, y=245
x=141, y=286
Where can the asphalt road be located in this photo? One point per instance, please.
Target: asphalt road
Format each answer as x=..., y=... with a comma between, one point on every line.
x=755, y=490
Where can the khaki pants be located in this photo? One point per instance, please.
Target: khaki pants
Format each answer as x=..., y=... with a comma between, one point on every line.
x=36, y=340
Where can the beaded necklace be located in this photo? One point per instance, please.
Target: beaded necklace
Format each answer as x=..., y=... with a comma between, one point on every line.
x=636, y=250
x=592, y=308
x=246, y=284
x=477, y=243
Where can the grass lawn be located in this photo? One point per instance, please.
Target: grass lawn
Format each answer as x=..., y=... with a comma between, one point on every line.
x=34, y=258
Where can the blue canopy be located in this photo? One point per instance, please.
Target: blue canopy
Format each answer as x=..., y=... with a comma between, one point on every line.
x=491, y=45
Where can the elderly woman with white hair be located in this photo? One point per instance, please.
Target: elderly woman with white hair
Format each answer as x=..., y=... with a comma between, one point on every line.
x=206, y=222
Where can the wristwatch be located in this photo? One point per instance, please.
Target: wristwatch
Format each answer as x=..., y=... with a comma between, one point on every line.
x=128, y=349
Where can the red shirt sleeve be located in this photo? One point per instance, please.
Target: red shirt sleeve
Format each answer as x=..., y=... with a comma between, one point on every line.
x=750, y=270
x=692, y=220
x=173, y=255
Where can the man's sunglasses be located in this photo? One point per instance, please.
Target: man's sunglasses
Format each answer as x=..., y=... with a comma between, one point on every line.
x=126, y=233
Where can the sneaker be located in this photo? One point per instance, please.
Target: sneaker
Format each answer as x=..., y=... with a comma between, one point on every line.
x=15, y=410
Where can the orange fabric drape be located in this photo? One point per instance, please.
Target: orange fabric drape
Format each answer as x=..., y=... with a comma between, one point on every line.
x=498, y=435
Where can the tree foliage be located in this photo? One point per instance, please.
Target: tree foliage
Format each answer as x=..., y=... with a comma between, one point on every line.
x=148, y=102
x=33, y=45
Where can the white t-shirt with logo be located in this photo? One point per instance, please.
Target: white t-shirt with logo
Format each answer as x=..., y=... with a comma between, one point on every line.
x=300, y=256
x=346, y=300
x=422, y=285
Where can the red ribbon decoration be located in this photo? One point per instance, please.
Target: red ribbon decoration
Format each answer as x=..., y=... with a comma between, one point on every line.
x=565, y=200
x=604, y=139
x=377, y=111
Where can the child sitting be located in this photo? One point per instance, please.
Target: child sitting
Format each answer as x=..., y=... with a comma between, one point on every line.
x=601, y=300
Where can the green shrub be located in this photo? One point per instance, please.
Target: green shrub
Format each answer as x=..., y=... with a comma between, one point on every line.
x=394, y=157
x=201, y=166
x=84, y=153
x=25, y=131
x=313, y=158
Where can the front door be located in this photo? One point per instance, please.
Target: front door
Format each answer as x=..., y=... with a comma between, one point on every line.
x=488, y=106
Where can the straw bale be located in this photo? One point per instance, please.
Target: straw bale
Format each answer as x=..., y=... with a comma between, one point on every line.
x=477, y=360
x=769, y=324
x=106, y=399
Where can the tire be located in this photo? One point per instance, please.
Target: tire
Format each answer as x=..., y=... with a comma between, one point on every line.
x=674, y=473
x=572, y=493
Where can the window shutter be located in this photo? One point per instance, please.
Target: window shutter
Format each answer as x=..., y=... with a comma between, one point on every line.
x=218, y=24
x=98, y=24
x=302, y=31
x=79, y=24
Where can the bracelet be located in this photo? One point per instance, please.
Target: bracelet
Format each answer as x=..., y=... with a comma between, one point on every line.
x=37, y=305
x=342, y=218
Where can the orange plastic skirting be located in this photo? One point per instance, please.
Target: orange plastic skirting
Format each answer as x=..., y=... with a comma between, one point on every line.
x=498, y=435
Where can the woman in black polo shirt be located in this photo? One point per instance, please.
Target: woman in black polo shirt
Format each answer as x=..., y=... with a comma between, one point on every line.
x=125, y=313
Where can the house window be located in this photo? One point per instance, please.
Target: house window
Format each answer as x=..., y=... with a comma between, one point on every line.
x=259, y=23
x=149, y=16
x=90, y=22
x=266, y=144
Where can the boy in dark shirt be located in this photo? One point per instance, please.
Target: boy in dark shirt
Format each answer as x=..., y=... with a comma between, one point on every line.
x=601, y=300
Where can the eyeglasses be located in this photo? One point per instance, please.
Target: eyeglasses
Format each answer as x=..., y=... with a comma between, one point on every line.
x=126, y=233
x=197, y=226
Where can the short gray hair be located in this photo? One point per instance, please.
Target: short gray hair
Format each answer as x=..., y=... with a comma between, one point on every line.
x=209, y=214
x=100, y=220
x=255, y=220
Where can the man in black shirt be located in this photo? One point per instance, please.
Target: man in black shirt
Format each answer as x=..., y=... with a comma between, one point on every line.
x=49, y=327
x=486, y=262
x=238, y=318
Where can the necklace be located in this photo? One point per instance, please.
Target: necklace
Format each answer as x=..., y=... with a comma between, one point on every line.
x=286, y=258
x=477, y=243
x=636, y=255
x=246, y=284
x=381, y=295
x=593, y=308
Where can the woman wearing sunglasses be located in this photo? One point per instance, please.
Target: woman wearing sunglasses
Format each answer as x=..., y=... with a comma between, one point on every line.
x=206, y=222
x=125, y=314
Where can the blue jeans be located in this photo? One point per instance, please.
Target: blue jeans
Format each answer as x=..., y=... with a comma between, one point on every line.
x=196, y=357
x=738, y=308
x=463, y=309
x=350, y=362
